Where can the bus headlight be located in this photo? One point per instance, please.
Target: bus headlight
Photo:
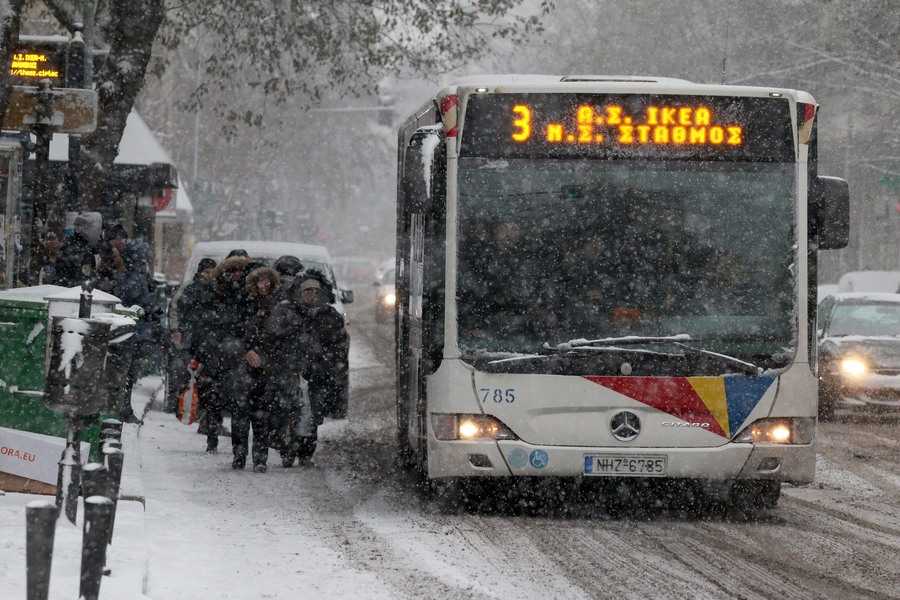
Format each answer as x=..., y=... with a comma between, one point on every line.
x=853, y=367
x=389, y=299
x=469, y=427
x=779, y=431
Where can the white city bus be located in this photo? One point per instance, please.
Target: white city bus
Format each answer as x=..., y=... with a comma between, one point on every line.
x=611, y=277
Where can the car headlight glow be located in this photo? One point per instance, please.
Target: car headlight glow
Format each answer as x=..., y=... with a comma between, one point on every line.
x=853, y=367
x=389, y=299
x=469, y=427
x=779, y=431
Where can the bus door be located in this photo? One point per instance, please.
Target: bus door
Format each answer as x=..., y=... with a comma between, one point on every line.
x=421, y=284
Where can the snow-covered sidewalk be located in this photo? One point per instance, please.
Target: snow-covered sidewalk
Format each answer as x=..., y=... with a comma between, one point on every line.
x=218, y=533
x=127, y=557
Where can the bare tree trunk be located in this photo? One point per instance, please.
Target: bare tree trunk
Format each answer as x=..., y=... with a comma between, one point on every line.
x=10, y=20
x=130, y=34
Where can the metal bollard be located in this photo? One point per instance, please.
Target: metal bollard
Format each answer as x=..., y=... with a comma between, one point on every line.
x=85, y=300
x=115, y=459
x=110, y=434
x=68, y=482
x=97, y=525
x=112, y=444
x=40, y=527
x=95, y=480
x=111, y=424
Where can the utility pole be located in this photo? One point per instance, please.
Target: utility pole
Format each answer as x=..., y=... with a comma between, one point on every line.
x=39, y=106
x=725, y=55
x=861, y=213
x=42, y=211
x=197, y=123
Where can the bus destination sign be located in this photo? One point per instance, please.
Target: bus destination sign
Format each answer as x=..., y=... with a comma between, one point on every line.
x=644, y=126
x=659, y=125
x=34, y=64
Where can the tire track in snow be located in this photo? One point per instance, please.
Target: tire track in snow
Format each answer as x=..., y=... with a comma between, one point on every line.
x=780, y=560
x=867, y=531
x=603, y=558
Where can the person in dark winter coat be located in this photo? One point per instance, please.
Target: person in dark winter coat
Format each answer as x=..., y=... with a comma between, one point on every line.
x=189, y=309
x=217, y=343
x=132, y=286
x=76, y=262
x=287, y=267
x=193, y=298
x=327, y=338
x=305, y=336
x=110, y=258
x=254, y=409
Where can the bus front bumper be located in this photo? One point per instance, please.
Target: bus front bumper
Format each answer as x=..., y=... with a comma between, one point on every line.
x=508, y=458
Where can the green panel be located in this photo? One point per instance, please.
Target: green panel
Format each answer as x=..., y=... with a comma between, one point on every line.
x=22, y=350
x=23, y=336
x=29, y=414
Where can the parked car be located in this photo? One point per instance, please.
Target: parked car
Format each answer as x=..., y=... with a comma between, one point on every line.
x=385, y=297
x=859, y=352
x=870, y=281
x=312, y=257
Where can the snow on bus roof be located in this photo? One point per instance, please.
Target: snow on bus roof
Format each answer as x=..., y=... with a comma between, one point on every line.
x=525, y=79
x=261, y=248
x=612, y=84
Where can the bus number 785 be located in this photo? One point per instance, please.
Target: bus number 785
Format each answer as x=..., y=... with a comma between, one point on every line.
x=498, y=395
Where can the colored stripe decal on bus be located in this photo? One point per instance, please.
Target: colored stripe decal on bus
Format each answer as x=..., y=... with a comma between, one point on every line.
x=712, y=391
x=722, y=403
x=743, y=395
x=672, y=395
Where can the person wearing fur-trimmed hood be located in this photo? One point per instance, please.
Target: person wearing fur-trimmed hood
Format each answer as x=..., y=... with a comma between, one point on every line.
x=254, y=409
x=218, y=344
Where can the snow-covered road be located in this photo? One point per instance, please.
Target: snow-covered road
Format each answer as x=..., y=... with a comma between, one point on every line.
x=353, y=526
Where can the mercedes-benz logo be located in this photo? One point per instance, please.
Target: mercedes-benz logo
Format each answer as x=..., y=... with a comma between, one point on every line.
x=625, y=426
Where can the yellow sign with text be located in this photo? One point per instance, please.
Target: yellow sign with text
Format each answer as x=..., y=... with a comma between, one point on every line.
x=35, y=64
x=658, y=125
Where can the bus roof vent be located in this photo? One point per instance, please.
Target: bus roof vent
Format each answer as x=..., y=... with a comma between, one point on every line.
x=618, y=79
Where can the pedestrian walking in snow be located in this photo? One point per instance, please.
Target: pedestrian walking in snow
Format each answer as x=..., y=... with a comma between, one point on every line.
x=217, y=343
x=307, y=341
x=132, y=286
x=76, y=261
x=254, y=409
x=189, y=310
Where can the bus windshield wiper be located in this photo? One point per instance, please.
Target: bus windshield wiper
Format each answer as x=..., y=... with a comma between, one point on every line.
x=674, y=340
x=548, y=351
x=628, y=339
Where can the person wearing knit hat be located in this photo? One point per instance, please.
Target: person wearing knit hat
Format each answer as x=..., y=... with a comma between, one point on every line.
x=309, y=339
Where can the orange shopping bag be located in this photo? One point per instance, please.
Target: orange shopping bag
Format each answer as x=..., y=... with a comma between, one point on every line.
x=189, y=399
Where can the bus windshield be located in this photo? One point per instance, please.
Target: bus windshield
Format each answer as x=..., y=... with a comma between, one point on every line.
x=557, y=249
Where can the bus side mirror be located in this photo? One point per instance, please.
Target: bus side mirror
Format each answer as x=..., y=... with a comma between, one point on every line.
x=831, y=212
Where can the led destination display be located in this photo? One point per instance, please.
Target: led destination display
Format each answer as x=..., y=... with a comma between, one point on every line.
x=36, y=64
x=586, y=125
